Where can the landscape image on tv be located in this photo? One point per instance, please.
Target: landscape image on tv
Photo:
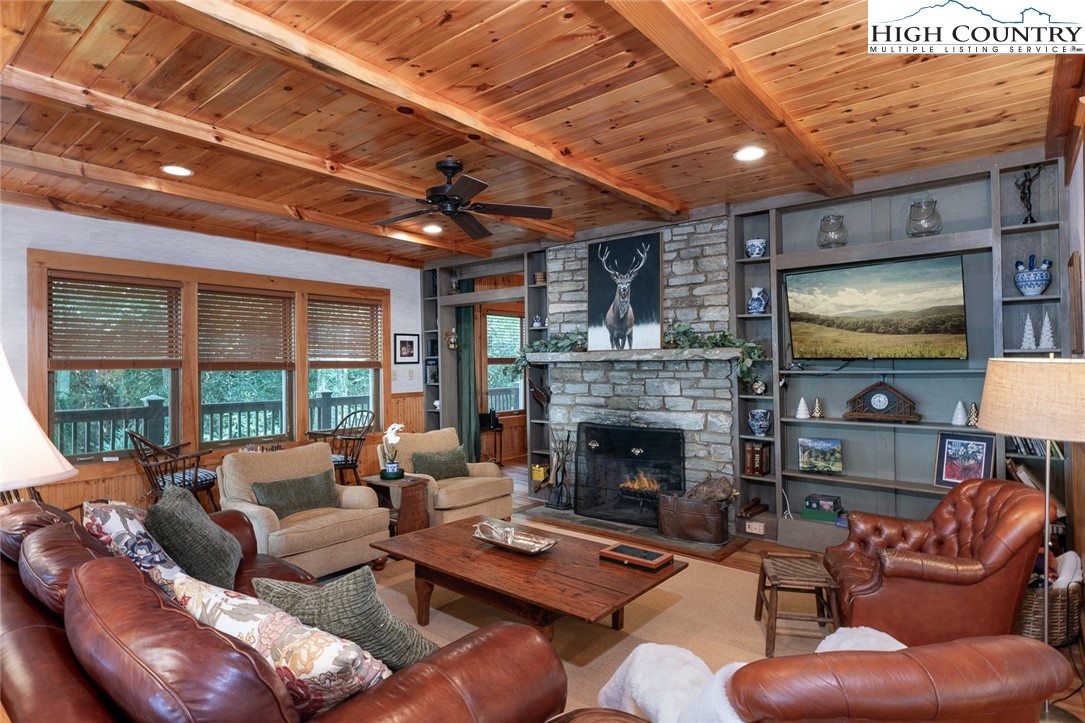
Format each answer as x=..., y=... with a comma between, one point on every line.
x=892, y=310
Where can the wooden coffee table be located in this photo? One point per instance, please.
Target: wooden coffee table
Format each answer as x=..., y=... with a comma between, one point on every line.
x=568, y=579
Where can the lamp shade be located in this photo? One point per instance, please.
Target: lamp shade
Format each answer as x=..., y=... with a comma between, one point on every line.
x=1040, y=398
x=27, y=457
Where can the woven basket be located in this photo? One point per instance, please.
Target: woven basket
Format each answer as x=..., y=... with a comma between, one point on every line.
x=1064, y=616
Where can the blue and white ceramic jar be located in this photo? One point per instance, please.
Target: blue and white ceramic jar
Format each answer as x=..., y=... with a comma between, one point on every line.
x=756, y=247
x=759, y=421
x=1032, y=281
x=758, y=303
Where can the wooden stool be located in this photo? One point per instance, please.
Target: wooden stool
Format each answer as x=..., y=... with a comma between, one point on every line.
x=794, y=572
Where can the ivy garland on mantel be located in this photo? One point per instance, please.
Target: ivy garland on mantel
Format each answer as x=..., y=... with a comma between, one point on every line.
x=677, y=336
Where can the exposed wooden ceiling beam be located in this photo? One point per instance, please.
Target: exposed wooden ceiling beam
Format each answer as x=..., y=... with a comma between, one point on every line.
x=1067, y=91
x=677, y=30
x=265, y=37
x=125, y=179
x=50, y=203
x=18, y=83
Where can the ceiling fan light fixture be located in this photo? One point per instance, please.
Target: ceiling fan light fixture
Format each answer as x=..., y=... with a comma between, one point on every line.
x=177, y=171
x=749, y=153
x=432, y=228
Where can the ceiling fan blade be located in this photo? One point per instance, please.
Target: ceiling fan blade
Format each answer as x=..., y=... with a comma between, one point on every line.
x=466, y=187
x=371, y=192
x=471, y=225
x=403, y=217
x=509, y=209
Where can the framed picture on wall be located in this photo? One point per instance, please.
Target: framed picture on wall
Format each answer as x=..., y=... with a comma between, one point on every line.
x=624, y=293
x=963, y=457
x=406, y=348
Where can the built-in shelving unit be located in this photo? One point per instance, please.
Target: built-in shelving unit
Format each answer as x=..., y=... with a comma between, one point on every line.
x=889, y=467
x=536, y=305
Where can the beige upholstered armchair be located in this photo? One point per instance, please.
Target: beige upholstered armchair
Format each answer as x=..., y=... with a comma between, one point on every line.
x=321, y=540
x=484, y=491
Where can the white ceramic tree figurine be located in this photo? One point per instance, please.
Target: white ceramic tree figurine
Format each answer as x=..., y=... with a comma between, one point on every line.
x=1047, y=337
x=1028, y=337
x=960, y=417
x=803, y=412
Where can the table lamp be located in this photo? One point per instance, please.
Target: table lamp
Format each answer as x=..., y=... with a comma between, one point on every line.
x=27, y=456
x=1039, y=399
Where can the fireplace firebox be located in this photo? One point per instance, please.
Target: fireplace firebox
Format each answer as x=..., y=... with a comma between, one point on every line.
x=622, y=470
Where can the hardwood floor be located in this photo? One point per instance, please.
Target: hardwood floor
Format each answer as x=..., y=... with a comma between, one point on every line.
x=747, y=556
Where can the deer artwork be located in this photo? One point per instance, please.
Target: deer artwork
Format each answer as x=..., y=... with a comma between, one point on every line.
x=619, y=320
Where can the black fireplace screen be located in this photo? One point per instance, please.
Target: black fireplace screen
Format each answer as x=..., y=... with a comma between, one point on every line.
x=621, y=471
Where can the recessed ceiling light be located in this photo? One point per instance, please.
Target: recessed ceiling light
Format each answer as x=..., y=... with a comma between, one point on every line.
x=749, y=153
x=432, y=228
x=177, y=170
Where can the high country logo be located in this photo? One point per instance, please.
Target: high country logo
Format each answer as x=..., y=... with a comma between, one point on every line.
x=980, y=27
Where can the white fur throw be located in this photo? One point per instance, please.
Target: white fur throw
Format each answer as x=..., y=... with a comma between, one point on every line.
x=859, y=638
x=659, y=679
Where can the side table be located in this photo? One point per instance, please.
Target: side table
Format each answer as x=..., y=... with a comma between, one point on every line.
x=794, y=572
x=411, y=514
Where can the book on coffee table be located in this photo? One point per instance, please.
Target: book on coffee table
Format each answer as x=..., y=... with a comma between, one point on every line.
x=636, y=556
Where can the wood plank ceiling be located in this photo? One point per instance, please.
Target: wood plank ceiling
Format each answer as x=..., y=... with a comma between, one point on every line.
x=608, y=113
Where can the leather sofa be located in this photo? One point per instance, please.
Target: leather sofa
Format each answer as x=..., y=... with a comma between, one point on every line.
x=320, y=541
x=960, y=573
x=994, y=679
x=121, y=650
x=485, y=491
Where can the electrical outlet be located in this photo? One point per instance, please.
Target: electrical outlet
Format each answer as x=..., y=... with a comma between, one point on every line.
x=755, y=528
x=410, y=374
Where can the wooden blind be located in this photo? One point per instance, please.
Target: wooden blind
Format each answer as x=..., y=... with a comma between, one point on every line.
x=344, y=333
x=112, y=323
x=245, y=330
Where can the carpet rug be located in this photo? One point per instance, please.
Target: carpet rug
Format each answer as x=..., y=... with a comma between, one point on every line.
x=706, y=608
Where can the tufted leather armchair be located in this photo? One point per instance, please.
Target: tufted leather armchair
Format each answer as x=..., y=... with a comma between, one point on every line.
x=960, y=573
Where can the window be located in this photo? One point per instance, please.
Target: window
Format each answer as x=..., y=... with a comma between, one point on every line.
x=114, y=358
x=345, y=353
x=192, y=356
x=246, y=361
x=504, y=388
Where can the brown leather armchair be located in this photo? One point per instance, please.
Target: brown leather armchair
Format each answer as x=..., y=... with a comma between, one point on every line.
x=960, y=573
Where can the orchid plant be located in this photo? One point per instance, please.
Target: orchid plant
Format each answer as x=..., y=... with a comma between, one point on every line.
x=390, y=440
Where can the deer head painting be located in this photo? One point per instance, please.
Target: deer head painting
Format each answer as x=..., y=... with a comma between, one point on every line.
x=624, y=293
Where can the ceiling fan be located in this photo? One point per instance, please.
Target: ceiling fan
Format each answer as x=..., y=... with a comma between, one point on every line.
x=454, y=199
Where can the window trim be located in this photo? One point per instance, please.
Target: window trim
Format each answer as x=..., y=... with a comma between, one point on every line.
x=40, y=263
x=482, y=378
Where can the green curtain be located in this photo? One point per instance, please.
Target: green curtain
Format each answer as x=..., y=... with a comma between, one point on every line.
x=467, y=412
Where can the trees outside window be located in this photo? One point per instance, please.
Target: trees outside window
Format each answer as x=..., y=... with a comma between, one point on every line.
x=504, y=337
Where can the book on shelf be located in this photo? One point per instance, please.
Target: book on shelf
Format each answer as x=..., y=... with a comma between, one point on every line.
x=757, y=459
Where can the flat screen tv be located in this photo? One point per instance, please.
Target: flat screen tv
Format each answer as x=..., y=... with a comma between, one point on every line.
x=910, y=309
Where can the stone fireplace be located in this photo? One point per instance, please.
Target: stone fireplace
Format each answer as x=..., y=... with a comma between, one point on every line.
x=691, y=390
x=622, y=470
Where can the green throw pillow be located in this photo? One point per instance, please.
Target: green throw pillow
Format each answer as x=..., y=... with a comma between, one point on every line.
x=186, y=532
x=350, y=608
x=441, y=465
x=287, y=496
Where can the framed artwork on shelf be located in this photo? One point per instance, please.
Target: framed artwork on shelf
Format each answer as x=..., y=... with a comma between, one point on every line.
x=624, y=293
x=406, y=348
x=820, y=455
x=963, y=457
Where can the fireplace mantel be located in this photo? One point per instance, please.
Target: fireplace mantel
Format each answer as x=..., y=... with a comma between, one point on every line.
x=633, y=355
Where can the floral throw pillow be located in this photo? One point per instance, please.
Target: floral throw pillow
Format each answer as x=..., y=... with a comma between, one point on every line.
x=119, y=526
x=318, y=668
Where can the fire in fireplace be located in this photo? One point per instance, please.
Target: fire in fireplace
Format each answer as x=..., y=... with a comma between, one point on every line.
x=622, y=470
